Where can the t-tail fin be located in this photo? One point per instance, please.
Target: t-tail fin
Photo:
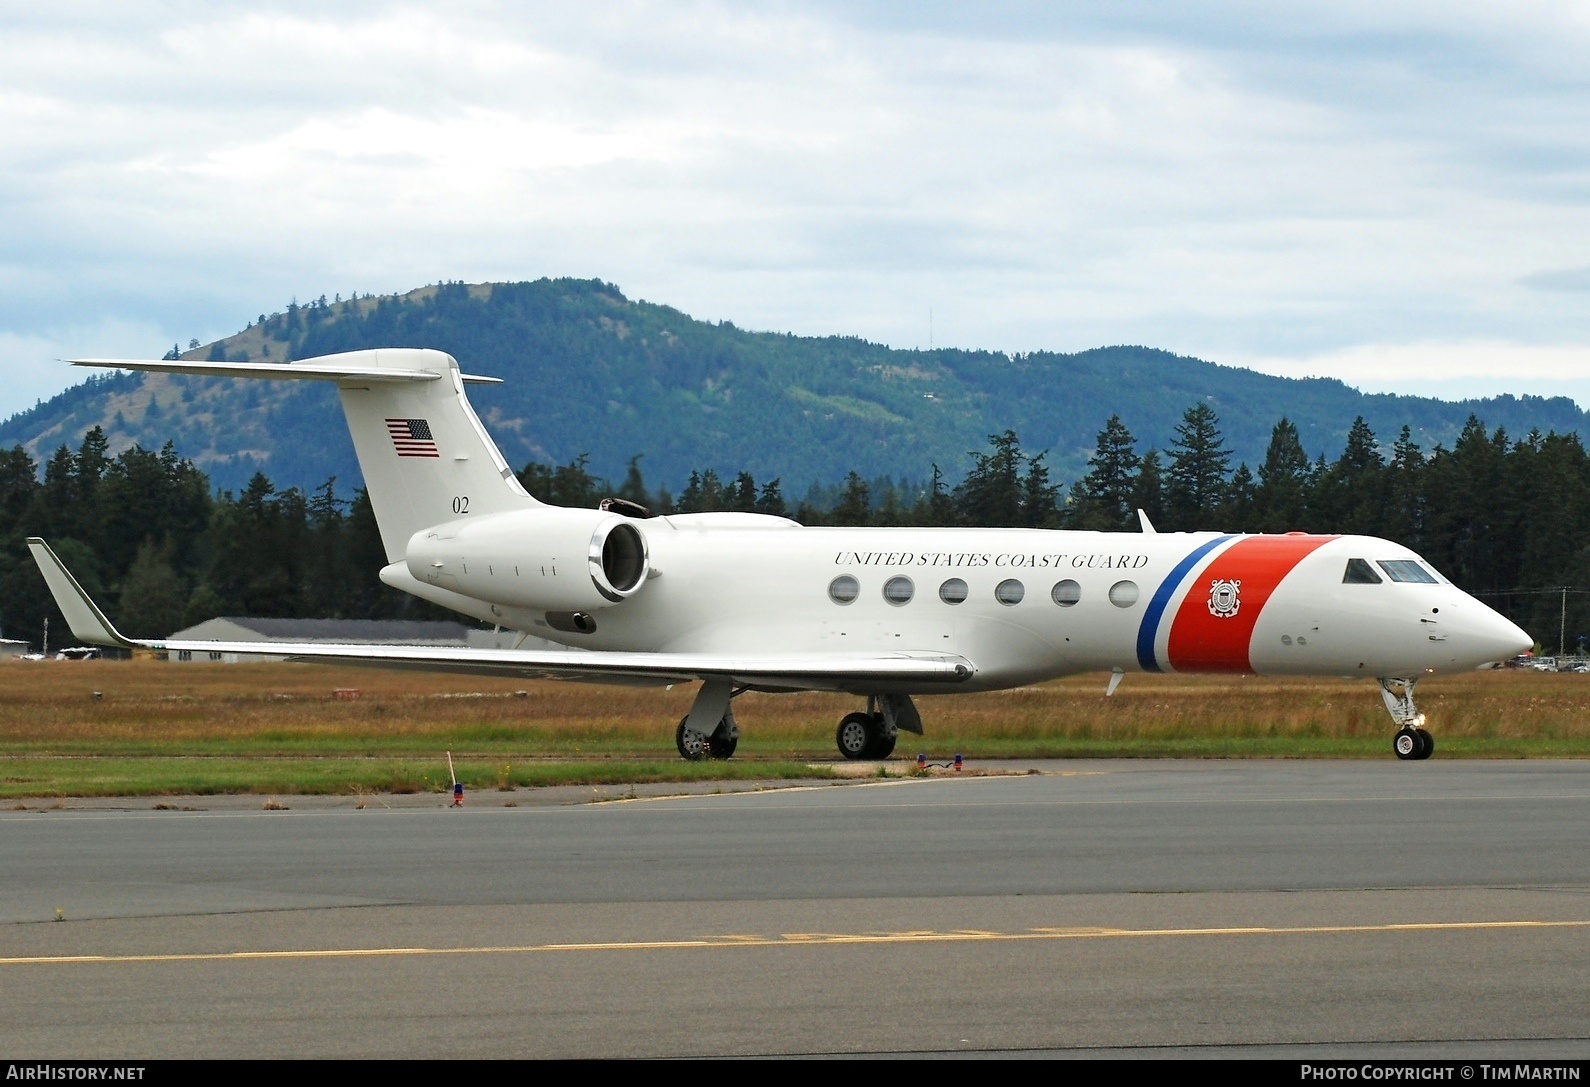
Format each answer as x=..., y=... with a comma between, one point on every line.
x=425, y=456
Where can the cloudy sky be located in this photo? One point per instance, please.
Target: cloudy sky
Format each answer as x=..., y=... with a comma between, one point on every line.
x=1397, y=194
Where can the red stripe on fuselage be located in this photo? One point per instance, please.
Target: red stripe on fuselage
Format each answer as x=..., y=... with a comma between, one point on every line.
x=1200, y=640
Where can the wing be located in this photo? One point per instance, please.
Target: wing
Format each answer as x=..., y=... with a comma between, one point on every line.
x=787, y=673
x=326, y=368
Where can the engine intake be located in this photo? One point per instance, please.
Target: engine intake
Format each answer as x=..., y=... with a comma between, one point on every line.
x=618, y=559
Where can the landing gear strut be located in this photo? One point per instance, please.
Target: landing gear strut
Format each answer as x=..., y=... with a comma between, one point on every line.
x=1412, y=741
x=872, y=735
x=717, y=744
x=708, y=731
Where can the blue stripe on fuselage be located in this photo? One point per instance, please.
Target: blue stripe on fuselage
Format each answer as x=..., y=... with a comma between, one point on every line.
x=1149, y=631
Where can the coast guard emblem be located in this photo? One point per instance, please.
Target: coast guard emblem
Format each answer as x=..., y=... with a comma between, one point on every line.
x=1223, y=600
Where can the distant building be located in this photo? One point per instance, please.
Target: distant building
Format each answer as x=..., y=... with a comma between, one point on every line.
x=11, y=649
x=344, y=631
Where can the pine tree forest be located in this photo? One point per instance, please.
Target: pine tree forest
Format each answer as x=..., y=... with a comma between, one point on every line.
x=1505, y=518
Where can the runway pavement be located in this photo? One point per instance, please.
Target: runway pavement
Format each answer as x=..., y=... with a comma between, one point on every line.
x=1198, y=908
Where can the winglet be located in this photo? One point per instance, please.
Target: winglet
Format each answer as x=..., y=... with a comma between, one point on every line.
x=82, y=614
x=1145, y=524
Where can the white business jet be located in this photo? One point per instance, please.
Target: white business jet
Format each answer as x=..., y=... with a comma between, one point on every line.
x=746, y=602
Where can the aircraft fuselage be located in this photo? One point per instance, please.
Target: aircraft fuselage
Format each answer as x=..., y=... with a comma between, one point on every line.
x=1021, y=605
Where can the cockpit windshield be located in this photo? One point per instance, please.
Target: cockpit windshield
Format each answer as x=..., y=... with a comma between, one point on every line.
x=1407, y=570
x=1360, y=572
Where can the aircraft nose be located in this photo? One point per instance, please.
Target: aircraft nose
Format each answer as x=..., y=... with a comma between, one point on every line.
x=1498, y=638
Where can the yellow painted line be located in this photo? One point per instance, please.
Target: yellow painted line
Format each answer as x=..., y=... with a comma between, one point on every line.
x=802, y=939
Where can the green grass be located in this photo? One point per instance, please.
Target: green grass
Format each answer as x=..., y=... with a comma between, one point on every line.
x=143, y=727
x=62, y=777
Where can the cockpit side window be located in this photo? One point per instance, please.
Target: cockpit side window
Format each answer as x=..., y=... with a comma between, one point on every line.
x=1360, y=572
x=1407, y=570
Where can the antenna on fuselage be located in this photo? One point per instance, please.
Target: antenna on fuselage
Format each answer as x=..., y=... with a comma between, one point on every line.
x=1145, y=524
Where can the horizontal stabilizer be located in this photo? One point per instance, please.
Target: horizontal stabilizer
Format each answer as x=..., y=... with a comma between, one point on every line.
x=322, y=369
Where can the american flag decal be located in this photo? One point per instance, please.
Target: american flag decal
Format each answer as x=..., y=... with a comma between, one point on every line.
x=412, y=437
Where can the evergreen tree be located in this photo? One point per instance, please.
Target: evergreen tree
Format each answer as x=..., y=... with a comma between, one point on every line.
x=1149, y=493
x=771, y=500
x=1404, y=511
x=1104, y=498
x=1283, y=482
x=153, y=596
x=937, y=507
x=19, y=484
x=886, y=503
x=702, y=494
x=855, y=502
x=1237, y=508
x=1040, y=499
x=634, y=486
x=1350, y=495
x=741, y=496
x=1472, y=541
x=1196, y=482
x=991, y=494
x=575, y=487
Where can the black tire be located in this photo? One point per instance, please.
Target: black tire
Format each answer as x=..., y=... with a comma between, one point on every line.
x=1426, y=744
x=883, y=747
x=697, y=748
x=723, y=741
x=1407, y=745
x=855, y=736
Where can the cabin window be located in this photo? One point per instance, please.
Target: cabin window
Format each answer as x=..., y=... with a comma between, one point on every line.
x=844, y=589
x=953, y=591
x=1360, y=572
x=1009, y=592
x=1123, y=594
x=899, y=590
x=1407, y=570
x=1066, y=593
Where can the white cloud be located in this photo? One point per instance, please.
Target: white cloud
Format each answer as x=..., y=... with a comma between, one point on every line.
x=33, y=365
x=1448, y=370
x=1226, y=182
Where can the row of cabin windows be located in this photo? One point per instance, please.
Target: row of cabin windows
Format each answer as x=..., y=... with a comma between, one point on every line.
x=1359, y=572
x=900, y=590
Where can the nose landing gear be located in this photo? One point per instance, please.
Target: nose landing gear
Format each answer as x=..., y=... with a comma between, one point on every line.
x=872, y=735
x=1412, y=741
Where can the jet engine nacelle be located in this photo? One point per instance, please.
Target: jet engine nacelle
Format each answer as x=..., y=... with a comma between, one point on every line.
x=548, y=559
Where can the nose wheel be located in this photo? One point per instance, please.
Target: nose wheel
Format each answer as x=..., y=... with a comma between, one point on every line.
x=1412, y=741
x=1412, y=744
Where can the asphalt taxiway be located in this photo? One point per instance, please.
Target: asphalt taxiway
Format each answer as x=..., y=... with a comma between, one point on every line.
x=1273, y=908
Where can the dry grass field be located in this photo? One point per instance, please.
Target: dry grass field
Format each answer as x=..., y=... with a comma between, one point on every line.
x=156, y=727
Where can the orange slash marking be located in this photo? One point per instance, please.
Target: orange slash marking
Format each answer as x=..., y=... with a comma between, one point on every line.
x=1202, y=641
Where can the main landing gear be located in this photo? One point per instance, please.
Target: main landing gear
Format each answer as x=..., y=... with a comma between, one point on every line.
x=717, y=744
x=708, y=731
x=872, y=735
x=1412, y=741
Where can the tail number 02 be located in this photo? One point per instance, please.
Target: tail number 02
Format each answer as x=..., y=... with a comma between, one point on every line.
x=461, y=503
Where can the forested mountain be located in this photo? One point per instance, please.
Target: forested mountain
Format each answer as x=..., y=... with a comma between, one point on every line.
x=589, y=371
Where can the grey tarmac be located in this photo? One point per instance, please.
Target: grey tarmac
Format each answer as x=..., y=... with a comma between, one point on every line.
x=1155, y=908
